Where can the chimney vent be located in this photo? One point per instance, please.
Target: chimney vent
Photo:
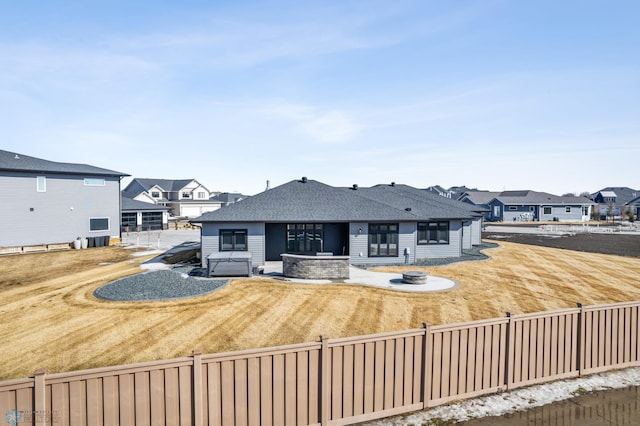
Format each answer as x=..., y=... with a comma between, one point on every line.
x=355, y=186
x=304, y=179
x=393, y=184
x=408, y=209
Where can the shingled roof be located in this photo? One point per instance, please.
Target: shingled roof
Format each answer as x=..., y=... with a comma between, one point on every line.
x=534, y=197
x=312, y=201
x=11, y=161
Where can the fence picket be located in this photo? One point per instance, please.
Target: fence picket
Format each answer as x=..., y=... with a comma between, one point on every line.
x=340, y=381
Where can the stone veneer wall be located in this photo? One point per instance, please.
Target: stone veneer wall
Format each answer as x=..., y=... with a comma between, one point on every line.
x=315, y=267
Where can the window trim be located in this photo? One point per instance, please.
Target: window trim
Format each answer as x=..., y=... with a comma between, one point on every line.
x=100, y=218
x=389, y=240
x=41, y=180
x=233, y=232
x=544, y=210
x=426, y=241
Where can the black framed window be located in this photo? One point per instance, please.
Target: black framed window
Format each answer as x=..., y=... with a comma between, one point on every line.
x=546, y=210
x=383, y=239
x=233, y=240
x=99, y=224
x=305, y=238
x=433, y=233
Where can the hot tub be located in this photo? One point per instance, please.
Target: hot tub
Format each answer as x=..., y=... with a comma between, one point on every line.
x=229, y=264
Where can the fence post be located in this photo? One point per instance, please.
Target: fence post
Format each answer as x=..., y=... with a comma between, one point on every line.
x=39, y=391
x=580, y=355
x=197, y=387
x=427, y=360
x=508, y=374
x=325, y=391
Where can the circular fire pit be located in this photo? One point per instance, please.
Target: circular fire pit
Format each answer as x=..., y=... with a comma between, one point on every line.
x=414, y=277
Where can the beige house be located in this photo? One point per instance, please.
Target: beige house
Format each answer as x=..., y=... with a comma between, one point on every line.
x=185, y=197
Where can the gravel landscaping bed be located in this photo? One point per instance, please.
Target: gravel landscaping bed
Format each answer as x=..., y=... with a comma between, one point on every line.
x=474, y=253
x=157, y=285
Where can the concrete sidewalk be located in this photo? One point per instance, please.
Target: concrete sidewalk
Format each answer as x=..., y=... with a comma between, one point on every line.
x=359, y=276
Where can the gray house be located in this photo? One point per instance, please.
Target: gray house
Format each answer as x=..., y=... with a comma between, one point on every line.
x=614, y=201
x=527, y=206
x=384, y=224
x=51, y=204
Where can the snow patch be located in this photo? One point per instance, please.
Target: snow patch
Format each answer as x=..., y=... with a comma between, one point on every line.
x=520, y=399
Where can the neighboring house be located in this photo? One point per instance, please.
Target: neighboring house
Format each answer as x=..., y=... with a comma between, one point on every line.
x=49, y=203
x=527, y=206
x=384, y=224
x=184, y=197
x=480, y=199
x=634, y=205
x=227, y=198
x=142, y=216
x=613, y=200
x=437, y=189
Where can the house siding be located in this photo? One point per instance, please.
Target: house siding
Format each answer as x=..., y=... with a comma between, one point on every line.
x=559, y=213
x=359, y=244
x=476, y=231
x=61, y=213
x=520, y=214
x=210, y=237
x=435, y=251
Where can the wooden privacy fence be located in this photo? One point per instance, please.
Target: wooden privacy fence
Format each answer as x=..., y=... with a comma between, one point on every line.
x=336, y=381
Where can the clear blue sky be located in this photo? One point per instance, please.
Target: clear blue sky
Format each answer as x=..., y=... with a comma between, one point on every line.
x=512, y=94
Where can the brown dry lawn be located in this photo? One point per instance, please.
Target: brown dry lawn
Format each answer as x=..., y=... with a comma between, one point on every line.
x=49, y=317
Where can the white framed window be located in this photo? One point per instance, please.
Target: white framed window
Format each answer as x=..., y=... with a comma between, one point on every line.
x=546, y=210
x=94, y=182
x=155, y=194
x=41, y=184
x=513, y=208
x=97, y=224
x=202, y=195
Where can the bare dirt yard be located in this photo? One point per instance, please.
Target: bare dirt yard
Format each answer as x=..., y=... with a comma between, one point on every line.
x=50, y=318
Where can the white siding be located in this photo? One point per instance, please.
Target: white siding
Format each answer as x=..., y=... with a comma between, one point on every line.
x=210, y=236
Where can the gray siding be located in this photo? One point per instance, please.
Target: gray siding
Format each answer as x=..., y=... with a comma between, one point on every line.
x=476, y=231
x=466, y=235
x=559, y=213
x=359, y=244
x=210, y=237
x=58, y=215
x=453, y=249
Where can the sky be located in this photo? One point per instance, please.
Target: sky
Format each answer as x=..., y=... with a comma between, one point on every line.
x=492, y=94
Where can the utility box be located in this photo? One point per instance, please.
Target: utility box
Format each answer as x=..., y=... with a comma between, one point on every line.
x=230, y=264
